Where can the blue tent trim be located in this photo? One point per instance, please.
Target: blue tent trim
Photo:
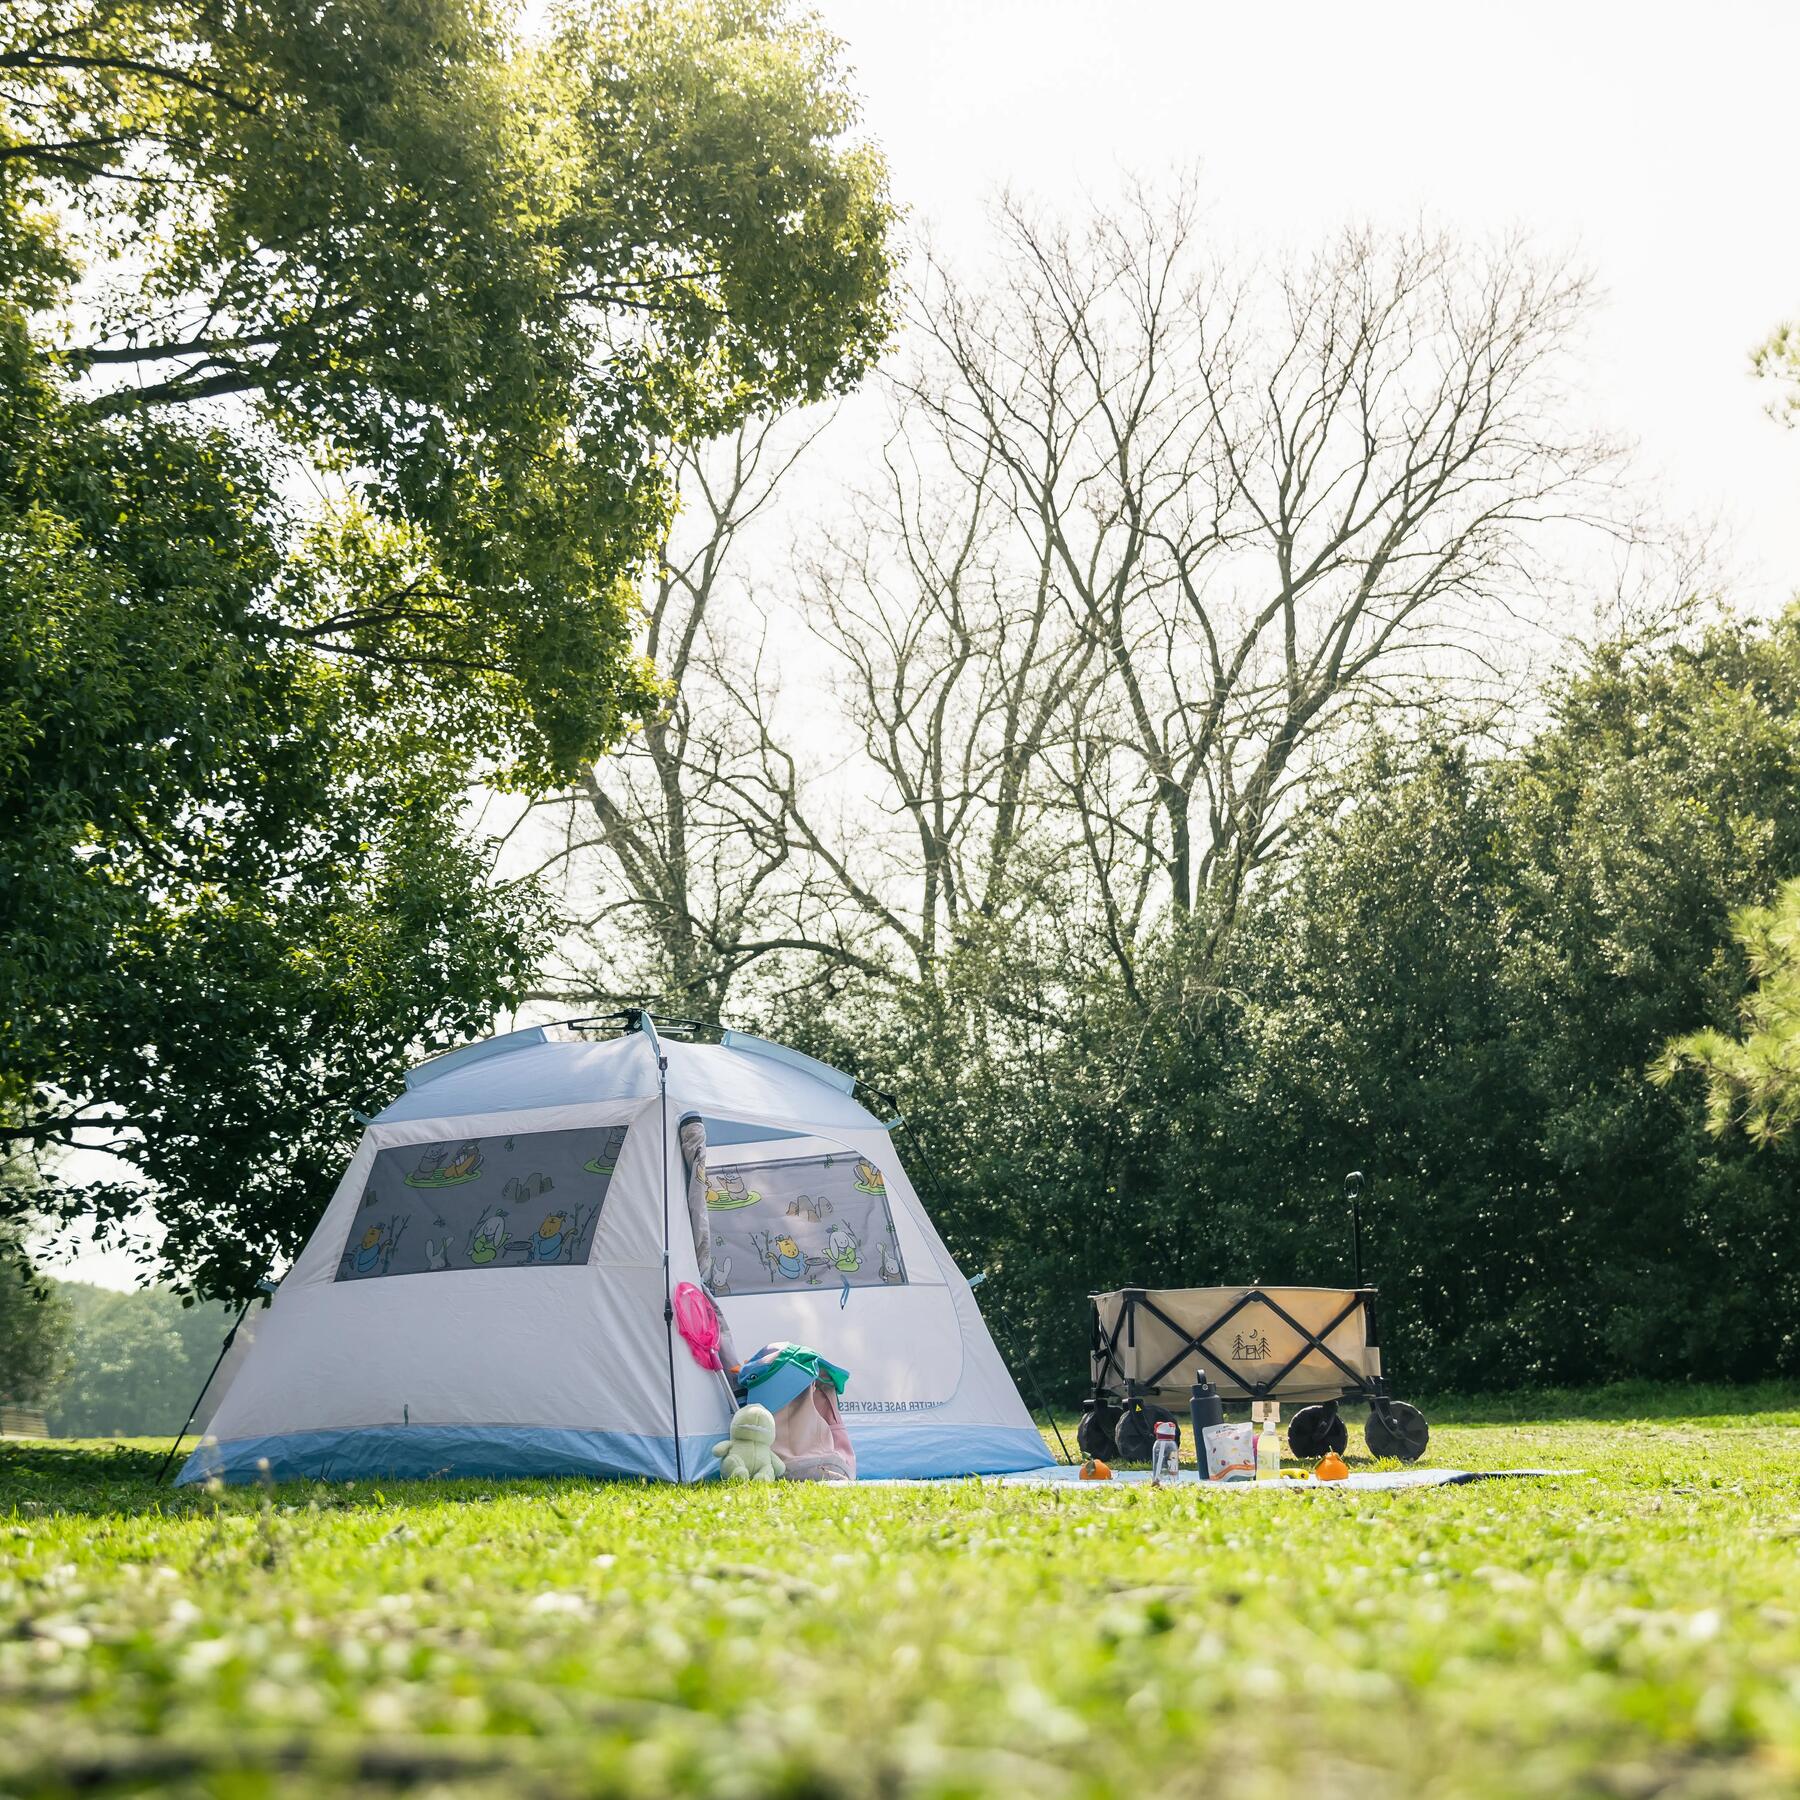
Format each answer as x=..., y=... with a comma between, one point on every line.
x=447, y=1452
x=495, y=1452
x=928, y=1452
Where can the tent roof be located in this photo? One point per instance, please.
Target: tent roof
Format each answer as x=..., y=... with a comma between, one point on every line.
x=743, y=1076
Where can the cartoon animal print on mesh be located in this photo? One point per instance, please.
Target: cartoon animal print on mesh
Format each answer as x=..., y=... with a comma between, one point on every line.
x=819, y=1221
x=471, y=1205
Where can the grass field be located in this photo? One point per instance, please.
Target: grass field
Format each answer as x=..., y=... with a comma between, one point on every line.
x=1631, y=1631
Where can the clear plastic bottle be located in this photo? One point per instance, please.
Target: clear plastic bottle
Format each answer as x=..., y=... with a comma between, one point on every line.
x=1268, y=1440
x=1165, y=1454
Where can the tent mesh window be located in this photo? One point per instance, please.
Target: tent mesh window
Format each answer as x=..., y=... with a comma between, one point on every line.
x=525, y=1202
x=802, y=1221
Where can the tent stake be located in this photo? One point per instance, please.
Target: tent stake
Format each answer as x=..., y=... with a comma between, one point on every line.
x=224, y=1351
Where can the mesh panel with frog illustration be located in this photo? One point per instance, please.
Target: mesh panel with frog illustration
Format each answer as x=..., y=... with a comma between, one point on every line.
x=521, y=1202
x=801, y=1221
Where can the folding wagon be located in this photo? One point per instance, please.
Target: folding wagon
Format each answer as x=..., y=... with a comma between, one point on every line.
x=1311, y=1347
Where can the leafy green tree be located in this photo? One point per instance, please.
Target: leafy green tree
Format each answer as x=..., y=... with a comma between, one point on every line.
x=1375, y=1031
x=1753, y=1080
x=466, y=286
x=136, y=1361
x=236, y=890
x=1662, y=803
x=1460, y=992
x=34, y=1317
x=482, y=280
x=34, y=1329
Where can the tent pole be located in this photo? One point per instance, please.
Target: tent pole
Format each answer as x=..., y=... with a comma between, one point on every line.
x=224, y=1351
x=648, y=1026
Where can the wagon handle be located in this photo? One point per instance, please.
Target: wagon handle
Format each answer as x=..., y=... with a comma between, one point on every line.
x=1353, y=1187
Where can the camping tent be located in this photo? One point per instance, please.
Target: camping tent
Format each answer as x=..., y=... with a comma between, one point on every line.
x=487, y=1292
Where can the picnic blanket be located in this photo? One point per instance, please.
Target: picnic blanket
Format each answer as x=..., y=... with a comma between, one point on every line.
x=1378, y=1481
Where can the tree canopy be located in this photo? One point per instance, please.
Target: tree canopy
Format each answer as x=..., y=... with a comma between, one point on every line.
x=340, y=348
x=34, y=1330
x=136, y=1361
x=481, y=279
x=1753, y=1077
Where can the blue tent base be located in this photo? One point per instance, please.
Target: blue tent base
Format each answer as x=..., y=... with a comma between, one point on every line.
x=926, y=1452
x=497, y=1452
x=447, y=1453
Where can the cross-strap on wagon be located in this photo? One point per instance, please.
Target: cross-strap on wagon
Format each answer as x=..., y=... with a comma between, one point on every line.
x=1314, y=1347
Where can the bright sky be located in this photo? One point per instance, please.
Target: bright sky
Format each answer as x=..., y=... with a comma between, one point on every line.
x=1654, y=141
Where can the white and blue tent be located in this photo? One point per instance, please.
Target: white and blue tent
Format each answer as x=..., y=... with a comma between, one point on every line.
x=487, y=1291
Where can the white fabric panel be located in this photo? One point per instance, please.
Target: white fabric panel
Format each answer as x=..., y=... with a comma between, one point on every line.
x=318, y=1262
x=987, y=1394
x=930, y=1361
x=631, y=1232
x=902, y=1345
x=704, y=1078
x=703, y=1395
x=229, y=1365
x=567, y=1347
x=584, y=1347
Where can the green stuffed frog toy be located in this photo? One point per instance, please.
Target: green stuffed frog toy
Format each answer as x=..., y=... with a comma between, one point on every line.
x=749, y=1454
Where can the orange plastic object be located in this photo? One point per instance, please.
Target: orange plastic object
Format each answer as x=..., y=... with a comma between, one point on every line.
x=1095, y=1470
x=1331, y=1468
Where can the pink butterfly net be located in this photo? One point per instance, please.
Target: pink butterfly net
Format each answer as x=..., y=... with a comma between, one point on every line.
x=697, y=1319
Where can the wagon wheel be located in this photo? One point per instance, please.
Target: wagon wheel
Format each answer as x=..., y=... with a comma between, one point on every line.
x=1094, y=1435
x=1315, y=1429
x=1135, y=1432
x=1397, y=1430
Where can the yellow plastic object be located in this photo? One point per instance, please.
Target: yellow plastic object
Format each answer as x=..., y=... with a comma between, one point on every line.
x=1331, y=1468
x=1095, y=1470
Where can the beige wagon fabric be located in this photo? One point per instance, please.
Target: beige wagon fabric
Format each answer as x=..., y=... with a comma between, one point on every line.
x=1247, y=1348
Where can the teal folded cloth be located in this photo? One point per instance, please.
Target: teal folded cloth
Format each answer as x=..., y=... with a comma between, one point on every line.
x=777, y=1373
